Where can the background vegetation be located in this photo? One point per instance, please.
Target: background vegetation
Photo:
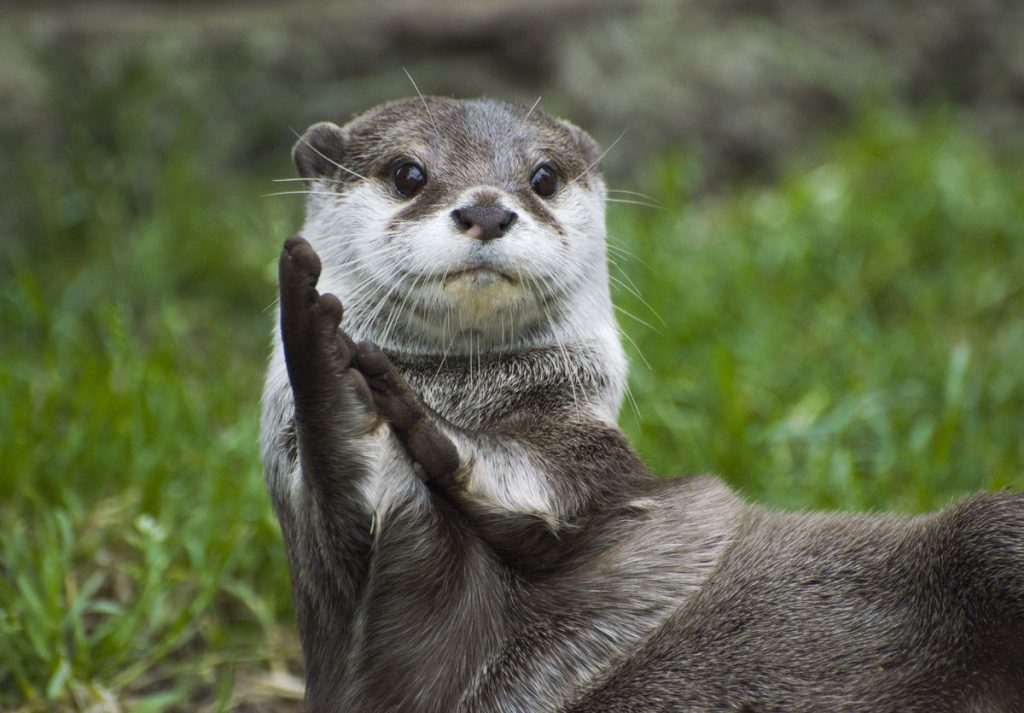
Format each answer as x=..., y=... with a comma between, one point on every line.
x=846, y=333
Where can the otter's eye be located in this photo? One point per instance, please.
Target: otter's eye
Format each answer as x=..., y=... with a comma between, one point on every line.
x=408, y=178
x=544, y=181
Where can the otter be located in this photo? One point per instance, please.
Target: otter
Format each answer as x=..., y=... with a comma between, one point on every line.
x=467, y=528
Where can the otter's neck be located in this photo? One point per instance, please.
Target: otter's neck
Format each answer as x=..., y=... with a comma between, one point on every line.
x=561, y=382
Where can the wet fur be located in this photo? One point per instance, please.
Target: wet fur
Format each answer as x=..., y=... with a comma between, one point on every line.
x=467, y=529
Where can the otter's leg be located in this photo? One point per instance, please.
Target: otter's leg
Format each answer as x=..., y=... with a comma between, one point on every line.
x=333, y=418
x=328, y=522
x=409, y=417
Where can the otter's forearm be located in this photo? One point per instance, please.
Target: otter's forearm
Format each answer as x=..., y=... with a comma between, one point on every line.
x=332, y=451
x=502, y=471
x=523, y=483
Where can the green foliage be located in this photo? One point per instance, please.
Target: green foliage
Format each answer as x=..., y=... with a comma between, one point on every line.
x=140, y=561
x=849, y=337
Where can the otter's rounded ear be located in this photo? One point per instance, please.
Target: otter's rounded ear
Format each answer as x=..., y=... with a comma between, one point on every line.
x=589, y=149
x=319, y=151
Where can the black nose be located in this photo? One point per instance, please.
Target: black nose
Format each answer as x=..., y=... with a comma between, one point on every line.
x=484, y=222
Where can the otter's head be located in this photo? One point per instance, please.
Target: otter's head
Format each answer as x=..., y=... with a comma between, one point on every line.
x=459, y=226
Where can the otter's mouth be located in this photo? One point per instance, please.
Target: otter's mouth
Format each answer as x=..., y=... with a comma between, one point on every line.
x=482, y=276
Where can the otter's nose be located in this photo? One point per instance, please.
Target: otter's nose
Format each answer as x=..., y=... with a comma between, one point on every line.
x=484, y=222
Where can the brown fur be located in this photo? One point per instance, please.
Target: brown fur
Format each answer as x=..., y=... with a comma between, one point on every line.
x=631, y=593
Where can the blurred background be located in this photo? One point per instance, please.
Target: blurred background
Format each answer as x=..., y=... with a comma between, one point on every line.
x=820, y=280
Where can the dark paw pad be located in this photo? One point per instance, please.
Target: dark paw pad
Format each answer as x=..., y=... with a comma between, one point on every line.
x=316, y=351
x=298, y=272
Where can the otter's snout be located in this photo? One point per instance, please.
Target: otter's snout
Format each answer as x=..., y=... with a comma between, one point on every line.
x=484, y=222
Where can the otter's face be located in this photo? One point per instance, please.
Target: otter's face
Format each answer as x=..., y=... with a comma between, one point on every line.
x=451, y=222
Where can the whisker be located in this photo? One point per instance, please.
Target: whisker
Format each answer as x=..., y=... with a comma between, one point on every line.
x=447, y=326
x=632, y=202
x=360, y=307
x=636, y=319
x=566, y=361
x=631, y=289
x=632, y=402
x=393, y=322
x=368, y=286
x=625, y=275
x=624, y=252
x=637, y=194
x=374, y=274
x=372, y=318
x=531, y=109
x=314, y=180
x=449, y=343
x=636, y=348
x=301, y=193
x=603, y=154
x=422, y=99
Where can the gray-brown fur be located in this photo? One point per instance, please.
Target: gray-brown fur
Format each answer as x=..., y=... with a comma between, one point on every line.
x=468, y=530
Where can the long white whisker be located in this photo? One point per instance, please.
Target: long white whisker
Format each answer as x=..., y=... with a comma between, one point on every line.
x=349, y=265
x=635, y=293
x=447, y=326
x=632, y=202
x=366, y=285
x=312, y=180
x=534, y=106
x=625, y=335
x=633, y=404
x=372, y=318
x=569, y=371
x=393, y=323
x=422, y=99
x=448, y=344
x=603, y=154
x=372, y=284
x=638, y=194
x=619, y=249
x=302, y=193
x=625, y=275
x=636, y=319
x=361, y=321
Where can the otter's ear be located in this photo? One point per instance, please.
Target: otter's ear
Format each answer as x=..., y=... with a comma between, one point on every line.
x=319, y=151
x=589, y=149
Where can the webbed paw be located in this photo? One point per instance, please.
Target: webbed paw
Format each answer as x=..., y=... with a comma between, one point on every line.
x=396, y=402
x=318, y=354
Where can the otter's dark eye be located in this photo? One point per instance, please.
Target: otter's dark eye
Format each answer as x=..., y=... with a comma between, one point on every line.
x=408, y=178
x=544, y=181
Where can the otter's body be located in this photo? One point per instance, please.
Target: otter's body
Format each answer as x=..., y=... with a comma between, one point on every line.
x=467, y=529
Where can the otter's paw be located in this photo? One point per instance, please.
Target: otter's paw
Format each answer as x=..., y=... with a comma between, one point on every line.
x=415, y=427
x=317, y=353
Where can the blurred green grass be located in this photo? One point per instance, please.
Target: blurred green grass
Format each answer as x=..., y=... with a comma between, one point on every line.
x=848, y=337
